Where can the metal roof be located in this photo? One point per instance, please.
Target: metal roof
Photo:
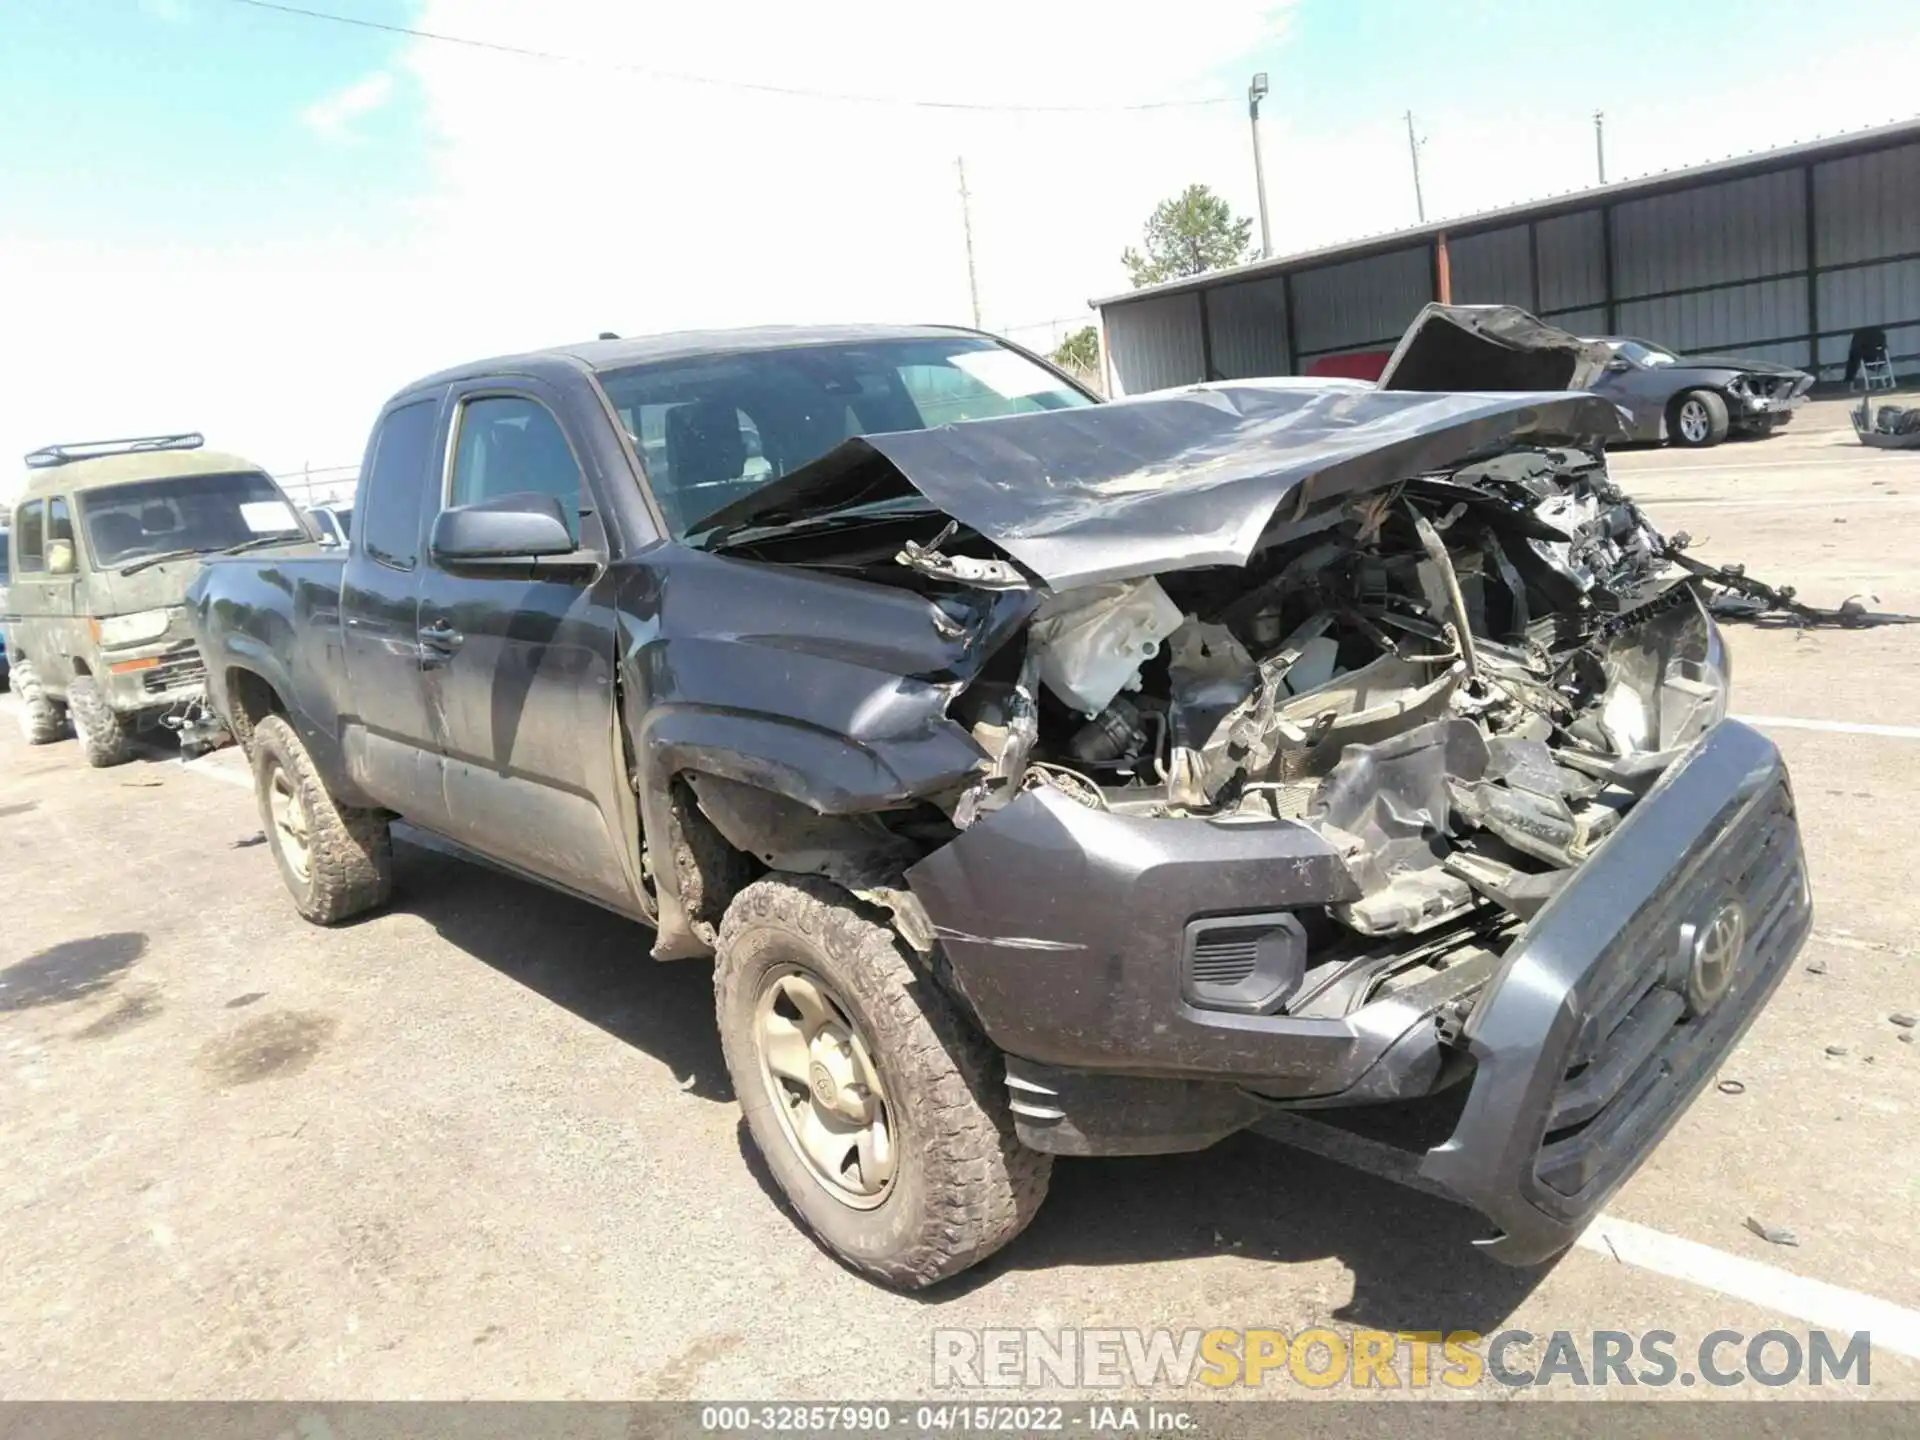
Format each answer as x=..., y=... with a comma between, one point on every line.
x=1733, y=168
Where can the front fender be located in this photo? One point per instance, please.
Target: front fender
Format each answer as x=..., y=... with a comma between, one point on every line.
x=827, y=772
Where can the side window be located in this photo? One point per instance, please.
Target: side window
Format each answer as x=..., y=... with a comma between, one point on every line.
x=29, y=542
x=59, y=523
x=396, y=481
x=513, y=446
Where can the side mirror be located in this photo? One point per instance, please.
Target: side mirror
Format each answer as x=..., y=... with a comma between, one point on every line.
x=60, y=557
x=1617, y=366
x=507, y=527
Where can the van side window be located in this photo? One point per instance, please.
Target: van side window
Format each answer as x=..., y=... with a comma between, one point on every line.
x=59, y=522
x=29, y=542
x=395, y=485
x=509, y=446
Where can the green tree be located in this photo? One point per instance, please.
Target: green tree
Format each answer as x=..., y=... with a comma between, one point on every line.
x=1192, y=233
x=1079, y=352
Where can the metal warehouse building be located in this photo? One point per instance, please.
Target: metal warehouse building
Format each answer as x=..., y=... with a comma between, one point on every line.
x=1778, y=256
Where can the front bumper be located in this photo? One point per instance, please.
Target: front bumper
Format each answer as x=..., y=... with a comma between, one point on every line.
x=1773, y=405
x=1586, y=1048
x=145, y=679
x=1061, y=929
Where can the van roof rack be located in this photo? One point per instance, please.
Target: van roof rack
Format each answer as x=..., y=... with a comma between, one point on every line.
x=48, y=456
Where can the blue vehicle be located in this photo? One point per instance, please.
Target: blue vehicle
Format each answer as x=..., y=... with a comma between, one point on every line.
x=5, y=671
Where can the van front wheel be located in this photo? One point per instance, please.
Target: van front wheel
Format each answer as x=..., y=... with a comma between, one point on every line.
x=105, y=735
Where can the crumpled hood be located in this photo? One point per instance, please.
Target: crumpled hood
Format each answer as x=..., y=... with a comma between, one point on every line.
x=1172, y=480
x=1742, y=363
x=1491, y=347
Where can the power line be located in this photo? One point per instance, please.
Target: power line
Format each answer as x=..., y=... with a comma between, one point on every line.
x=792, y=91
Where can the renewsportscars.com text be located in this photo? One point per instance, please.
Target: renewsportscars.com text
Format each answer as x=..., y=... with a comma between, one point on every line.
x=1321, y=1358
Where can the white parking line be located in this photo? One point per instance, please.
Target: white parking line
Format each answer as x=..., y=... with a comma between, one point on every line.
x=1832, y=727
x=1777, y=502
x=1780, y=1292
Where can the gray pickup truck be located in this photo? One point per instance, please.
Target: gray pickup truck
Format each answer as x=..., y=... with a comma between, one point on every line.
x=1049, y=777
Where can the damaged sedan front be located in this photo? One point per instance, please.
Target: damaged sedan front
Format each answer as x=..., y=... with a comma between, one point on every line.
x=1334, y=745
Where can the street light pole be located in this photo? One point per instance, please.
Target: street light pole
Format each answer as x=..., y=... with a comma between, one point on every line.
x=1600, y=142
x=1256, y=92
x=1413, y=149
x=966, y=225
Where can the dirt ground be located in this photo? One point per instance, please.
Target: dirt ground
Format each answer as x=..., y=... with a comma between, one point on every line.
x=479, y=1145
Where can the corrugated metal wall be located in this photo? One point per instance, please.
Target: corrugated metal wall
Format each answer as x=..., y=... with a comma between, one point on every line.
x=1494, y=267
x=1573, y=268
x=1360, y=302
x=1247, y=328
x=1867, y=210
x=1726, y=266
x=1154, y=343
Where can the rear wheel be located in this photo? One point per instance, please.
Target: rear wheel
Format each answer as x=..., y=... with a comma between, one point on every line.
x=1699, y=419
x=337, y=860
x=881, y=1114
x=105, y=735
x=42, y=721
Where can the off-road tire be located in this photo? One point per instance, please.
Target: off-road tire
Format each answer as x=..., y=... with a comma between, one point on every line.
x=105, y=735
x=42, y=720
x=964, y=1185
x=1717, y=423
x=350, y=852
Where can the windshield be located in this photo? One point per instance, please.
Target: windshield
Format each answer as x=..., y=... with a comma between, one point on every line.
x=714, y=429
x=5, y=575
x=185, y=512
x=1645, y=352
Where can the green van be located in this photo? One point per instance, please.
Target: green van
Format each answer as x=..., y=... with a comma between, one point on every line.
x=105, y=540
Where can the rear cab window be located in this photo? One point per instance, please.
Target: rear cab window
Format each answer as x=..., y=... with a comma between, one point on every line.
x=389, y=507
x=710, y=430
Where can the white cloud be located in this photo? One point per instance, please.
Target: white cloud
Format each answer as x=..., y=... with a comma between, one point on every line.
x=333, y=116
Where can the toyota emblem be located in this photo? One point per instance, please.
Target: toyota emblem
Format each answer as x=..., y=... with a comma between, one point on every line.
x=1716, y=955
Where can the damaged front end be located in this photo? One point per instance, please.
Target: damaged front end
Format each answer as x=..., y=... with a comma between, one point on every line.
x=1342, y=784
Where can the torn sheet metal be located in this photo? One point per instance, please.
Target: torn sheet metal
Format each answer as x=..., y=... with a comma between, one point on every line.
x=1166, y=481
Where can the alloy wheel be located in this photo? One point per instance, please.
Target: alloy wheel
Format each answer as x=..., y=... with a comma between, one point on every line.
x=819, y=1073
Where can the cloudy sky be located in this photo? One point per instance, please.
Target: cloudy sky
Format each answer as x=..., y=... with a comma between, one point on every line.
x=219, y=215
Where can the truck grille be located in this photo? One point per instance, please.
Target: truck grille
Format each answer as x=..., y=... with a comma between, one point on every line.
x=1640, y=1028
x=175, y=671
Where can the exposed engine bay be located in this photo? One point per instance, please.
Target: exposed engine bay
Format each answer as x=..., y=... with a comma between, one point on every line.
x=1462, y=682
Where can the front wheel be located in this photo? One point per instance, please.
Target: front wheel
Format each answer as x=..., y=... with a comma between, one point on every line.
x=337, y=860
x=881, y=1114
x=105, y=735
x=42, y=721
x=1699, y=420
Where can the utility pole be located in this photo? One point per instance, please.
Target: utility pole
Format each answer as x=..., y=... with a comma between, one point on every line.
x=1413, y=149
x=1256, y=92
x=1600, y=143
x=966, y=221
